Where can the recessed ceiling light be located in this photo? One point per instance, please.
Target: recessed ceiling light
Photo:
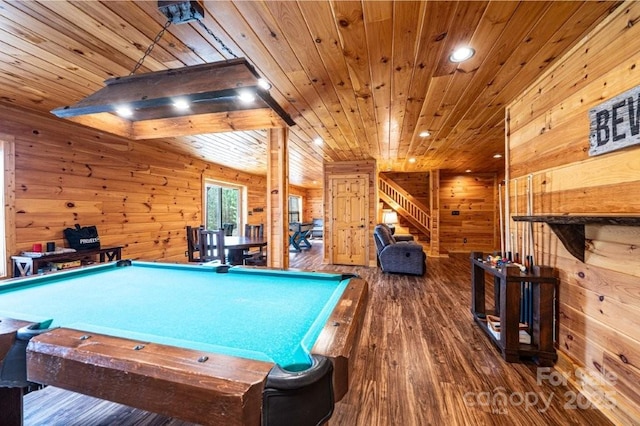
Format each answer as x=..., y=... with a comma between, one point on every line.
x=181, y=104
x=124, y=111
x=462, y=54
x=246, y=96
x=468, y=170
x=412, y=160
x=497, y=155
x=264, y=84
x=424, y=134
x=318, y=141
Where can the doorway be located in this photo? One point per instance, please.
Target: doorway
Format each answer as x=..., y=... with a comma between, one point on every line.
x=349, y=218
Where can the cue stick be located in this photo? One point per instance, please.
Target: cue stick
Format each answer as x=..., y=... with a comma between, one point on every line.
x=523, y=253
x=501, y=222
x=532, y=248
x=517, y=225
x=523, y=259
x=511, y=246
x=516, y=253
x=507, y=222
x=507, y=217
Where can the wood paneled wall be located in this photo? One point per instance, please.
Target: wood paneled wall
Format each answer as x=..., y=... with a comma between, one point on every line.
x=599, y=300
x=473, y=196
x=138, y=194
x=314, y=206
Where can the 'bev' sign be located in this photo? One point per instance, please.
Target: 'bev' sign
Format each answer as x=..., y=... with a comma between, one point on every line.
x=615, y=124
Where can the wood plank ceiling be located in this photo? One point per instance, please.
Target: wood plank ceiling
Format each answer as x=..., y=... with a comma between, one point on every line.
x=366, y=77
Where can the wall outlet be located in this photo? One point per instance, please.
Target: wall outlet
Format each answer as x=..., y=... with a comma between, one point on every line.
x=464, y=240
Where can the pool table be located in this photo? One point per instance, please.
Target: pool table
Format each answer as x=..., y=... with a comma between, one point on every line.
x=203, y=343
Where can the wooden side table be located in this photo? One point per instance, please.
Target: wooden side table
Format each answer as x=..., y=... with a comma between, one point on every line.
x=508, y=280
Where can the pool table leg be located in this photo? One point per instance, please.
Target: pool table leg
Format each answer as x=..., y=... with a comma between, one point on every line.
x=11, y=406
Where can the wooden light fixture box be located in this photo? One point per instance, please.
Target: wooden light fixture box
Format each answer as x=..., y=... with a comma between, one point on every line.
x=211, y=90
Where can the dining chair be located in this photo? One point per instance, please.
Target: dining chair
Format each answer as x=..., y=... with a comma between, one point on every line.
x=254, y=257
x=228, y=228
x=193, y=243
x=211, y=245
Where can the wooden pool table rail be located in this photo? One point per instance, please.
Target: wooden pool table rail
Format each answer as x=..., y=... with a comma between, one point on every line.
x=339, y=337
x=159, y=378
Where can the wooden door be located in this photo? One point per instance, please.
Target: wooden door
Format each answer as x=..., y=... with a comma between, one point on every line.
x=349, y=219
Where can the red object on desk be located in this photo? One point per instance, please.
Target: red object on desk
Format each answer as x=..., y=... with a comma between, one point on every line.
x=37, y=248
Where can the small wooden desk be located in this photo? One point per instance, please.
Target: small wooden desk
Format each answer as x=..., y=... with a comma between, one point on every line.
x=26, y=265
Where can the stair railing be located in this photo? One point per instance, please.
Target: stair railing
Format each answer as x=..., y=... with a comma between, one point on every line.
x=405, y=204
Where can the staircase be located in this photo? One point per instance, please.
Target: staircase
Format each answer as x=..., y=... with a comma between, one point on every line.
x=408, y=208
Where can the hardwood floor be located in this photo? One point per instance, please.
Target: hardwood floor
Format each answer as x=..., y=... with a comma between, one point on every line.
x=421, y=361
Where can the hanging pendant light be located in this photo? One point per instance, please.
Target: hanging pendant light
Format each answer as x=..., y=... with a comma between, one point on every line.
x=208, y=98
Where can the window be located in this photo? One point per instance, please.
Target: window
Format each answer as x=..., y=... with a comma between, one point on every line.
x=295, y=208
x=223, y=207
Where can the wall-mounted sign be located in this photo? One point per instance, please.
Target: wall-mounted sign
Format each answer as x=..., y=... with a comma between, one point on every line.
x=615, y=124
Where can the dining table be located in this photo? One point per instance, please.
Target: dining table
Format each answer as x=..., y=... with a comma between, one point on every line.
x=236, y=246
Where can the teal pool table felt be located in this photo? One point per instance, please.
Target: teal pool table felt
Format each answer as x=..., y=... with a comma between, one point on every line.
x=259, y=314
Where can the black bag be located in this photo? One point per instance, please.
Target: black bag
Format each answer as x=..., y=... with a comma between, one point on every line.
x=82, y=238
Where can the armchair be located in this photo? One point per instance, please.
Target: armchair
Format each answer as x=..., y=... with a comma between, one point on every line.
x=404, y=257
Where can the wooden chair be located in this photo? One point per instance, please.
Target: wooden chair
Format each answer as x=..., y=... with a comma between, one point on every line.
x=193, y=243
x=228, y=228
x=211, y=244
x=255, y=257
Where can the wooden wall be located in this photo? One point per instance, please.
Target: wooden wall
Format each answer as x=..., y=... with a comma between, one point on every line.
x=599, y=300
x=314, y=206
x=138, y=194
x=473, y=196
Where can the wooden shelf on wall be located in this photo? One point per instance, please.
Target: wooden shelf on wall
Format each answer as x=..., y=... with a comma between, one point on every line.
x=570, y=228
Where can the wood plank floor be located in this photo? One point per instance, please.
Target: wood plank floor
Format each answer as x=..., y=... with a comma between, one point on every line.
x=421, y=361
